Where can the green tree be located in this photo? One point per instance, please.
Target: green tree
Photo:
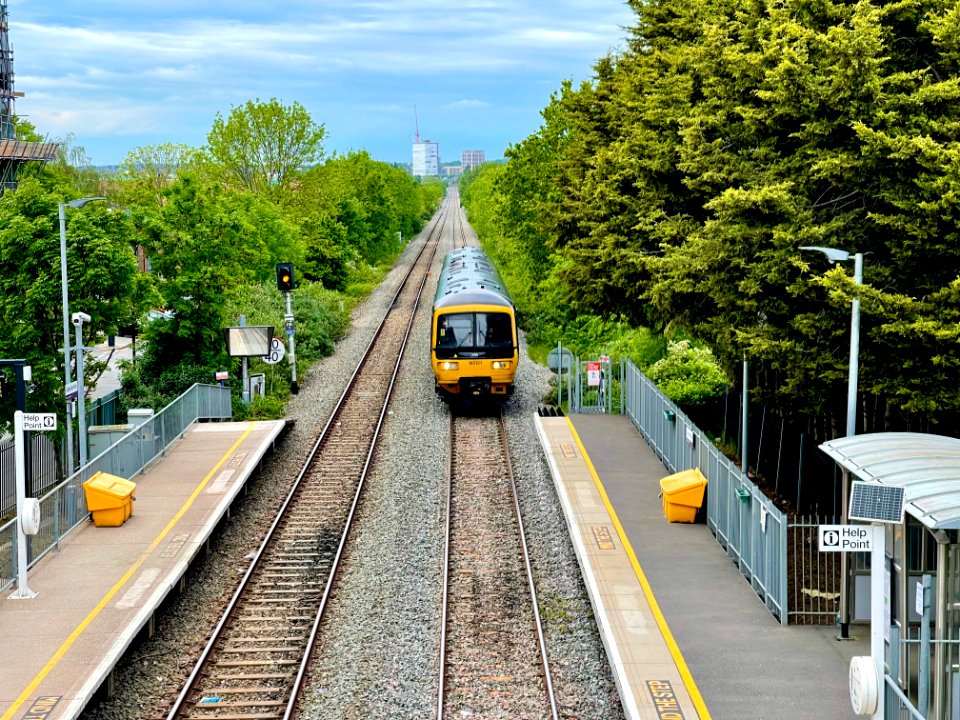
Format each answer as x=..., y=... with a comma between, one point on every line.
x=147, y=171
x=262, y=145
x=205, y=241
x=101, y=272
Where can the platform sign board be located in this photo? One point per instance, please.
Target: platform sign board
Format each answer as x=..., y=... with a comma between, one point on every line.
x=40, y=422
x=248, y=340
x=846, y=538
x=593, y=374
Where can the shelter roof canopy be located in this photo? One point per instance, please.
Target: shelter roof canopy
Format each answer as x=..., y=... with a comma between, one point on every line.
x=927, y=467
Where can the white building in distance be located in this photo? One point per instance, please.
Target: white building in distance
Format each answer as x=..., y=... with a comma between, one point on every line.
x=470, y=159
x=426, y=159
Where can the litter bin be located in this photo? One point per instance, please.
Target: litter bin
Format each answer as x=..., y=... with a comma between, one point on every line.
x=682, y=495
x=109, y=499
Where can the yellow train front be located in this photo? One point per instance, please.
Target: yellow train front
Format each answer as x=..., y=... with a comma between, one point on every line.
x=474, y=345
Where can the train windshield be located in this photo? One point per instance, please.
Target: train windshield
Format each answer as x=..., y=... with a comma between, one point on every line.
x=478, y=335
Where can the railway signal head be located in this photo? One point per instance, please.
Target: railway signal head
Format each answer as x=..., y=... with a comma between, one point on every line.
x=284, y=277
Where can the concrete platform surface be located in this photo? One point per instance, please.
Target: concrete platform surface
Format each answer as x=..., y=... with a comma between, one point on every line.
x=102, y=587
x=742, y=663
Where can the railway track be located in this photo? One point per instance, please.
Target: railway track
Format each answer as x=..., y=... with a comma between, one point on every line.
x=254, y=664
x=493, y=658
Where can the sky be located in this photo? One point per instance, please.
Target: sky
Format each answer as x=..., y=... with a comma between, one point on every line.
x=114, y=75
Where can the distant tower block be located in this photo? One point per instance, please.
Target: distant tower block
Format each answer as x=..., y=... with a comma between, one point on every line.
x=15, y=155
x=426, y=159
x=470, y=159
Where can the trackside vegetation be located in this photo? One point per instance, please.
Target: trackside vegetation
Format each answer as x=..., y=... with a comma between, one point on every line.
x=187, y=241
x=668, y=197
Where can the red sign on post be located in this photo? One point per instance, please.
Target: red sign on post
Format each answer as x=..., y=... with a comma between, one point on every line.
x=593, y=374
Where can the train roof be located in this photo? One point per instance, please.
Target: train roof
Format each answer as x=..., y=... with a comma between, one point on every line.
x=469, y=278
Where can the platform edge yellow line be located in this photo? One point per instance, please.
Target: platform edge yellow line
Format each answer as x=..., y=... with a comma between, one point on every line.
x=111, y=593
x=672, y=646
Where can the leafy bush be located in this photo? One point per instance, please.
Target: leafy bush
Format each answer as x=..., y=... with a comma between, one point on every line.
x=688, y=375
x=262, y=407
x=160, y=391
x=363, y=279
x=591, y=336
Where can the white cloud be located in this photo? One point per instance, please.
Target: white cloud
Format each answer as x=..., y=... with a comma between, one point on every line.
x=115, y=68
x=469, y=104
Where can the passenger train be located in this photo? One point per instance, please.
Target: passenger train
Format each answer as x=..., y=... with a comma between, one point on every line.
x=474, y=344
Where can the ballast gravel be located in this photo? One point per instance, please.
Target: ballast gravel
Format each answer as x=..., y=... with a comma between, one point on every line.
x=380, y=630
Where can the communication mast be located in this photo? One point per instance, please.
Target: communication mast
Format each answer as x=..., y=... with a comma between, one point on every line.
x=416, y=122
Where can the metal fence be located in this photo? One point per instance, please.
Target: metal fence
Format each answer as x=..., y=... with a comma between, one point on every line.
x=103, y=410
x=592, y=382
x=744, y=521
x=64, y=507
x=814, y=577
x=43, y=473
x=44, y=470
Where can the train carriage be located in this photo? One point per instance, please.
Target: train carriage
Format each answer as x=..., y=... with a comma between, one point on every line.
x=474, y=344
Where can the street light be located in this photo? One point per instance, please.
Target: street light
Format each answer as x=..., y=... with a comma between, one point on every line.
x=66, y=319
x=834, y=255
x=79, y=319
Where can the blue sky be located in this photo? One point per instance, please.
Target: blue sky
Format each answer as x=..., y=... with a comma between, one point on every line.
x=121, y=74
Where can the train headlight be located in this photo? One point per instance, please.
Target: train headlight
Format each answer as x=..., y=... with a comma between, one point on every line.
x=448, y=365
x=501, y=364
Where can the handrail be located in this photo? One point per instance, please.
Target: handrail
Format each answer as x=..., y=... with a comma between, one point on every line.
x=64, y=507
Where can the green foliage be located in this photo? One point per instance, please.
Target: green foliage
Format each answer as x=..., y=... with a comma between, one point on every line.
x=143, y=389
x=262, y=145
x=101, y=268
x=147, y=171
x=204, y=241
x=352, y=211
x=262, y=407
x=674, y=190
x=688, y=375
x=363, y=279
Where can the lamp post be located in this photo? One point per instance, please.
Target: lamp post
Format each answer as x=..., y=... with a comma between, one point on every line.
x=834, y=255
x=66, y=320
x=79, y=319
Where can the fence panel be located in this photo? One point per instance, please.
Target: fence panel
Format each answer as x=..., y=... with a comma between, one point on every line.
x=64, y=507
x=42, y=476
x=744, y=521
x=103, y=410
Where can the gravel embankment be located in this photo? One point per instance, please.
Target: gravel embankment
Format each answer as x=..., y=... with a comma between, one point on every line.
x=387, y=605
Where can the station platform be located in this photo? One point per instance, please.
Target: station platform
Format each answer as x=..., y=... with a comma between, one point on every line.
x=102, y=587
x=685, y=634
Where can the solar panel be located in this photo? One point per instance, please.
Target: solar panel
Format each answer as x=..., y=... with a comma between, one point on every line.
x=876, y=503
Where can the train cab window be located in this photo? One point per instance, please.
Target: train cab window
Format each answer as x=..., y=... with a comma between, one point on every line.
x=474, y=335
x=494, y=330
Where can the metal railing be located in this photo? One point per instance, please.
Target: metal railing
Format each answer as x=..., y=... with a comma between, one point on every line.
x=43, y=470
x=64, y=507
x=815, y=581
x=744, y=521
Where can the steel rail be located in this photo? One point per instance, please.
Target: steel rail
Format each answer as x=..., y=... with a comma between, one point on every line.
x=304, y=665
x=541, y=639
x=518, y=520
x=192, y=680
x=445, y=593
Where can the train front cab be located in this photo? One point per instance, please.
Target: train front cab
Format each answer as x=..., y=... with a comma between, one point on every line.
x=474, y=352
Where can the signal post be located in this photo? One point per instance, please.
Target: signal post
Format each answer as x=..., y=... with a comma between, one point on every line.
x=285, y=285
